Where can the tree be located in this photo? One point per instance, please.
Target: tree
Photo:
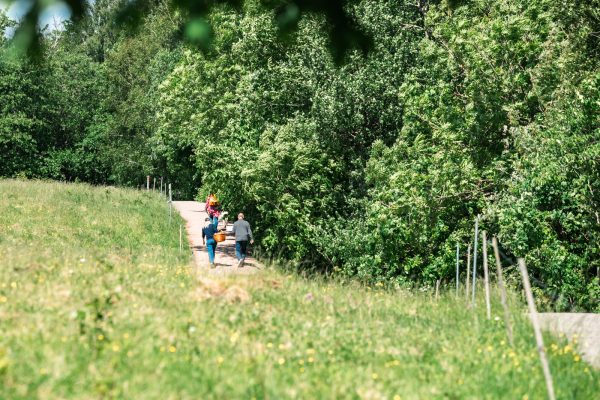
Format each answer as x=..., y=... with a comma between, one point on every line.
x=23, y=114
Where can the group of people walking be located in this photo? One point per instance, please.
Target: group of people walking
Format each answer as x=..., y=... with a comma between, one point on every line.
x=241, y=231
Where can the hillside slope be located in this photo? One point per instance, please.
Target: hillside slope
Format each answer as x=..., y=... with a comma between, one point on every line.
x=97, y=302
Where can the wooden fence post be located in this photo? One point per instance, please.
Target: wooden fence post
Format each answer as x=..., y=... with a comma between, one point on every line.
x=457, y=269
x=502, y=292
x=170, y=204
x=468, y=271
x=486, y=278
x=474, y=275
x=437, y=289
x=147, y=182
x=536, y=328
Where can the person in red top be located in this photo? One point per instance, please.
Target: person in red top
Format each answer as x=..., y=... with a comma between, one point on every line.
x=212, y=208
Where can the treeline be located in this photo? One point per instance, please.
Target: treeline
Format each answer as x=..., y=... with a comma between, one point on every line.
x=373, y=168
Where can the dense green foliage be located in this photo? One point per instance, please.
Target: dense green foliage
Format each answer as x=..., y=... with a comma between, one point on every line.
x=374, y=168
x=501, y=119
x=97, y=302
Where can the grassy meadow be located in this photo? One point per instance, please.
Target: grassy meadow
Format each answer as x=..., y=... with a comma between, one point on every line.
x=96, y=301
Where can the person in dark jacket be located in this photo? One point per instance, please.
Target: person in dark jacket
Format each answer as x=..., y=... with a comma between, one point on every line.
x=243, y=234
x=208, y=233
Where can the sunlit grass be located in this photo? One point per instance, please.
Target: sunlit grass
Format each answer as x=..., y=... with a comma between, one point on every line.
x=97, y=301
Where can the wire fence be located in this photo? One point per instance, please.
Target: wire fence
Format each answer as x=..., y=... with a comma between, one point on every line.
x=504, y=263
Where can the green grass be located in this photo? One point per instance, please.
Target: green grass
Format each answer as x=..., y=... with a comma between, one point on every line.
x=97, y=302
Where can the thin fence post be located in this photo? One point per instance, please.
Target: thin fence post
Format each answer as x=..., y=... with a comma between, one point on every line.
x=147, y=182
x=486, y=277
x=502, y=292
x=467, y=287
x=457, y=270
x=154, y=185
x=170, y=204
x=161, y=185
x=536, y=328
x=474, y=275
x=437, y=289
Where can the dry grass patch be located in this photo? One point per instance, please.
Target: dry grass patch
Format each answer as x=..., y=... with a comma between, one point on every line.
x=219, y=288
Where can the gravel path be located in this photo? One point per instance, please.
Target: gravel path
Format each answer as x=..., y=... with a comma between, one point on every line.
x=193, y=213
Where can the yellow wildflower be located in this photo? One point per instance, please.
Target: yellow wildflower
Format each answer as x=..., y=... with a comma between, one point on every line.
x=172, y=349
x=281, y=361
x=100, y=337
x=374, y=375
x=3, y=299
x=576, y=358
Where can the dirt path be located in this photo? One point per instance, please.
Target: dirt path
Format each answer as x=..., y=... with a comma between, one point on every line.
x=193, y=213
